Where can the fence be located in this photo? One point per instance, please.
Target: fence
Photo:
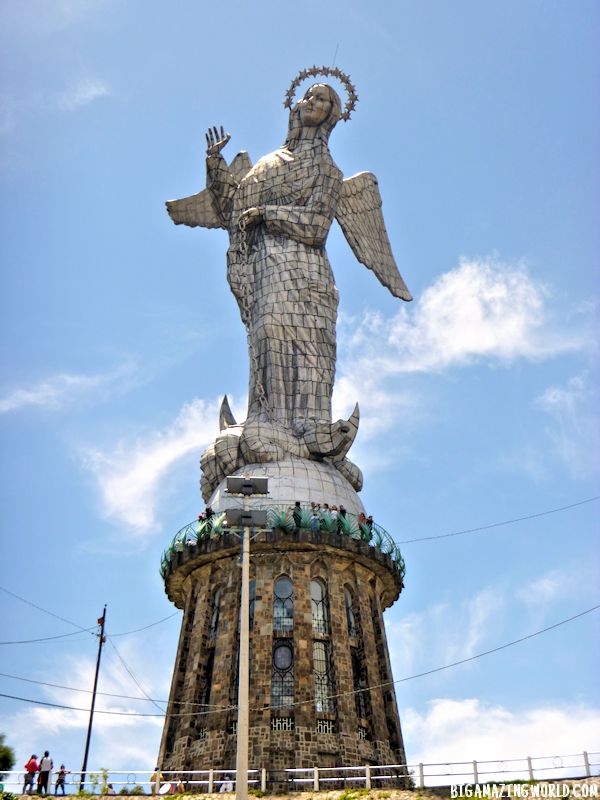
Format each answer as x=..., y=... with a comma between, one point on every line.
x=282, y=518
x=528, y=768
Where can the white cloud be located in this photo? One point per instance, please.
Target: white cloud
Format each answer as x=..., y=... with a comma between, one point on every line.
x=577, y=579
x=463, y=730
x=574, y=432
x=21, y=107
x=481, y=311
x=129, y=477
x=544, y=589
x=119, y=742
x=60, y=390
x=429, y=638
x=80, y=94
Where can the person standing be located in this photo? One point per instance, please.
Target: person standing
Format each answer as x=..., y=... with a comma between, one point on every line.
x=60, y=779
x=46, y=765
x=31, y=767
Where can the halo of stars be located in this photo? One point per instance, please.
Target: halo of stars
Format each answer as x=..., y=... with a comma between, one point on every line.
x=333, y=72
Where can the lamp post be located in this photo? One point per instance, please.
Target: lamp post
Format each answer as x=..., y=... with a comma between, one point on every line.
x=246, y=519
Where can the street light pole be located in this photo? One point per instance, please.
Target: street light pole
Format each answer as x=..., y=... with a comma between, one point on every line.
x=243, y=721
x=101, y=641
x=246, y=486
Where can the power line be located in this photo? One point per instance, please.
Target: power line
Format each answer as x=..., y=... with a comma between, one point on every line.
x=45, y=610
x=133, y=678
x=52, y=614
x=111, y=694
x=499, y=524
x=446, y=666
x=48, y=638
x=74, y=708
x=145, y=628
x=333, y=696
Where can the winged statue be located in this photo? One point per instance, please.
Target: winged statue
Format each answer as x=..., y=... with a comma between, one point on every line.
x=278, y=214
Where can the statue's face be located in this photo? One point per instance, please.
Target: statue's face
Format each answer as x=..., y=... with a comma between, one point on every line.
x=315, y=106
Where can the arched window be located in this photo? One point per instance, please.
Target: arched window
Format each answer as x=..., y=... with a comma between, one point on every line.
x=282, y=675
x=320, y=607
x=283, y=604
x=350, y=616
x=359, y=682
x=208, y=677
x=323, y=682
x=216, y=609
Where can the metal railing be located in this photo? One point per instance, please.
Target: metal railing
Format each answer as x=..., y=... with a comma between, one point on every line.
x=526, y=769
x=282, y=518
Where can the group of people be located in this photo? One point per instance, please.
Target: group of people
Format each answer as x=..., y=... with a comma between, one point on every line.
x=319, y=511
x=320, y=515
x=43, y=769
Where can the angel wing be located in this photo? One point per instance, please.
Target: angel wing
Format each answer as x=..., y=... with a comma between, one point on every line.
x=360, y=217
x=198, y=210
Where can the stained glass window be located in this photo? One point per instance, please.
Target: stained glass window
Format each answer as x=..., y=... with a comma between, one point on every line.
x=323, y=682
x=214, y=620
x=320, y=607
x=283, y=604
x=282, y=678
x=359, y=685
x=350, y=616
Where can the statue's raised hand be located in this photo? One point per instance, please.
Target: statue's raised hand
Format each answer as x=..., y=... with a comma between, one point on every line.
x=216, y=140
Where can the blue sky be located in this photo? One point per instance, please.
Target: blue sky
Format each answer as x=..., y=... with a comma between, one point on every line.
x=478, y=400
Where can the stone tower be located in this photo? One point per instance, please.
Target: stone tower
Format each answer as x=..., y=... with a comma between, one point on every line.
x=321, y=691
x=317, y=639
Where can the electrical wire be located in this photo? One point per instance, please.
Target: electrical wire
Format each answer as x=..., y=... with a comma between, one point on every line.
x=74, y=624
x=48, y=638
x=499, y=524
x=133, y=678
x=145, y=628
x=45, y=610
x=333, y=696
x=452, y=664
x=74, y=708
x=110, y=694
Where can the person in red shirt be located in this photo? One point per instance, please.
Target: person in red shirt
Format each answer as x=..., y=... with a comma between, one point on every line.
x=31, y=767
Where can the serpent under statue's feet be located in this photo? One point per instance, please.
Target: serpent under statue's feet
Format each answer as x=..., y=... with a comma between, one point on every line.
x=258, y=441
x=331, y=440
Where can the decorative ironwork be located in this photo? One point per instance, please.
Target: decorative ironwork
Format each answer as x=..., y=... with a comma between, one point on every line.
x=282, y=724
x=283, y=604
x=281, y=518
x=350, y=615
x=282, y=673
x=325, y=726
x=320, y=607
x=323, y=678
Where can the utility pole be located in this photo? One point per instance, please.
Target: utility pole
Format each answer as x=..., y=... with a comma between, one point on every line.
x=243, y=720
x=246, y=486
x=101, y=641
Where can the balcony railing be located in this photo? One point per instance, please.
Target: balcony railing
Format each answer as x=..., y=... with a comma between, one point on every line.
x=284, y=519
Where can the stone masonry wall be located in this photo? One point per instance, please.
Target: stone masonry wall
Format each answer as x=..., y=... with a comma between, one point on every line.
x=203, y=736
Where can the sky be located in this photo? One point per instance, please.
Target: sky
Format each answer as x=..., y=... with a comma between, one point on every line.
x=478, y=399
